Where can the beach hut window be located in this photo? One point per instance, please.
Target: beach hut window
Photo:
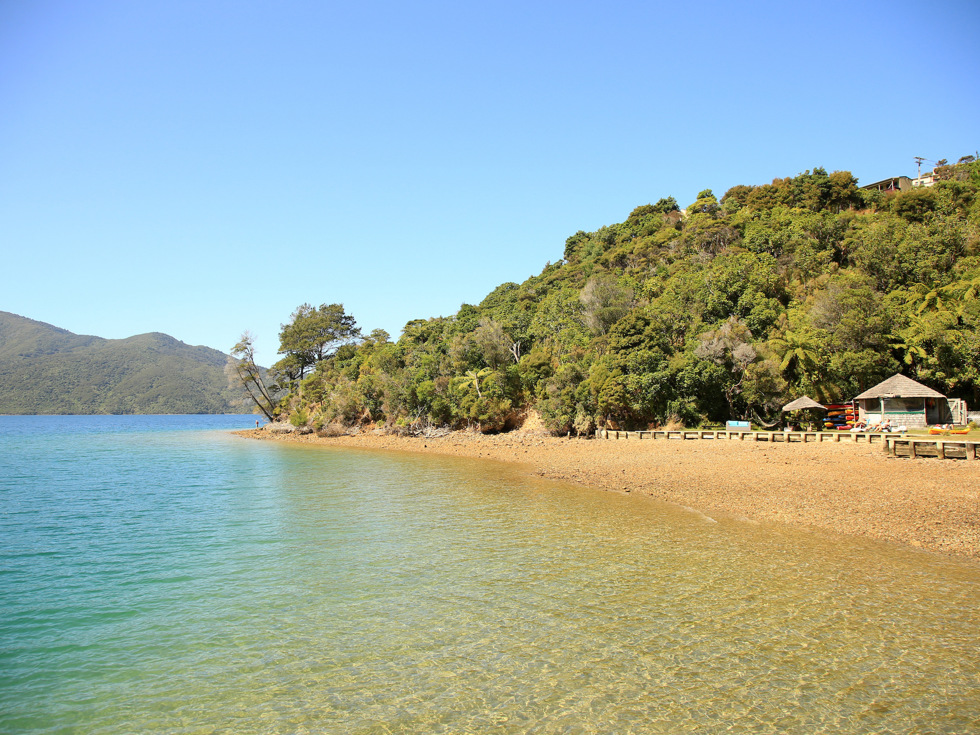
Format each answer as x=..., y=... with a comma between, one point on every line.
x=903, y=405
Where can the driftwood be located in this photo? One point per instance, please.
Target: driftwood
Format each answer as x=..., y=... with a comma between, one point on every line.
x=431, y=432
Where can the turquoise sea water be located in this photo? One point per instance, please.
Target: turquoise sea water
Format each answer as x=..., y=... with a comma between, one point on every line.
x=160, y=575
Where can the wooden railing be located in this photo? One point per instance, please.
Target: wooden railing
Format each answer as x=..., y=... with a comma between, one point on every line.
x=896, y=445
x=907, y=446
x=759, y=436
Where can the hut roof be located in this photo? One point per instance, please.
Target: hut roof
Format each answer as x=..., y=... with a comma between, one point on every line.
x=898, y=386
x=803, y=402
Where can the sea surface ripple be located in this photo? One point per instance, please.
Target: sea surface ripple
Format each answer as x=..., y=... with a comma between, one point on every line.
x=160, y=575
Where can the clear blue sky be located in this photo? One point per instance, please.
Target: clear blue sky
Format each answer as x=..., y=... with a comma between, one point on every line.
x=203, y=167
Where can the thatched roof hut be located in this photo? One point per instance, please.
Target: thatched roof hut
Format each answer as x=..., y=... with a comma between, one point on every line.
x=803, y=402
x=903, y=401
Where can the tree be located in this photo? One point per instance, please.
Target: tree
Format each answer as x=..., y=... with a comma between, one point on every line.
x=964, y=292
x=914, y=205
x=665, y=205
x=558, y=320
x=843, y=192
x=706, y=203
x=473, y=377
x=493, y=343
x=735, y=198
x=314, y=334
x=250, y=375
x=925, y=298
x=850, y=311
x=729, y=347
x=605, y=301
x=798, y=352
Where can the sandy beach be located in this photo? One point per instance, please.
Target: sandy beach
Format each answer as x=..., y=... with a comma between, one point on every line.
x=846, y=488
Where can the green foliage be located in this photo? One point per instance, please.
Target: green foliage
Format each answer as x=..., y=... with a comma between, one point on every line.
x=803, y=285
x=604, y=302
x=300, y=417
x=914, y=205
x=706, y=204
x=312, y=335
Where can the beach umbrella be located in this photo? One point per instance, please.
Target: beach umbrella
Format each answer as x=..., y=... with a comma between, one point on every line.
x=801, y=403
x=804, y=404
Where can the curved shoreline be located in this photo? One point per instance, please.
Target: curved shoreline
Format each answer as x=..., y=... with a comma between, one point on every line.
x=852, y=489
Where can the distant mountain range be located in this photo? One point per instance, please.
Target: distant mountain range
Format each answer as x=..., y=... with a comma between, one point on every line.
x=47, y=370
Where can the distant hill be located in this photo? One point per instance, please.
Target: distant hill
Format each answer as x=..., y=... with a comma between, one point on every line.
x=47, y=370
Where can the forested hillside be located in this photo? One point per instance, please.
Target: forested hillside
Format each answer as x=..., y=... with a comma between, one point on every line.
x=47, y=370
x=807, y=285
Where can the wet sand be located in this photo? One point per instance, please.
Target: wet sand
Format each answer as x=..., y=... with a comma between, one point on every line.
x=846, y=488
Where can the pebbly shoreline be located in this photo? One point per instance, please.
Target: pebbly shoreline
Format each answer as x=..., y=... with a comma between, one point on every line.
x=846, y=488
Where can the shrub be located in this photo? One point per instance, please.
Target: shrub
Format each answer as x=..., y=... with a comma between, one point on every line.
x=299, y=417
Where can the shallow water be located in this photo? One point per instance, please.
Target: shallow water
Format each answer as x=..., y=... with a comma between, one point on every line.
x=158, y=574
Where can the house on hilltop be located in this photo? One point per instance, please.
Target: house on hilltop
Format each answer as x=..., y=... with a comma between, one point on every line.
x=895, y=183
x=904, y=401
x=928, y=179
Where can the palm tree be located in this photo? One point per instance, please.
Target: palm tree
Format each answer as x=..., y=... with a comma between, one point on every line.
x=799, y=360
x=928, y=298
x=919, y=338
x=962, y=292
x=796, y=351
